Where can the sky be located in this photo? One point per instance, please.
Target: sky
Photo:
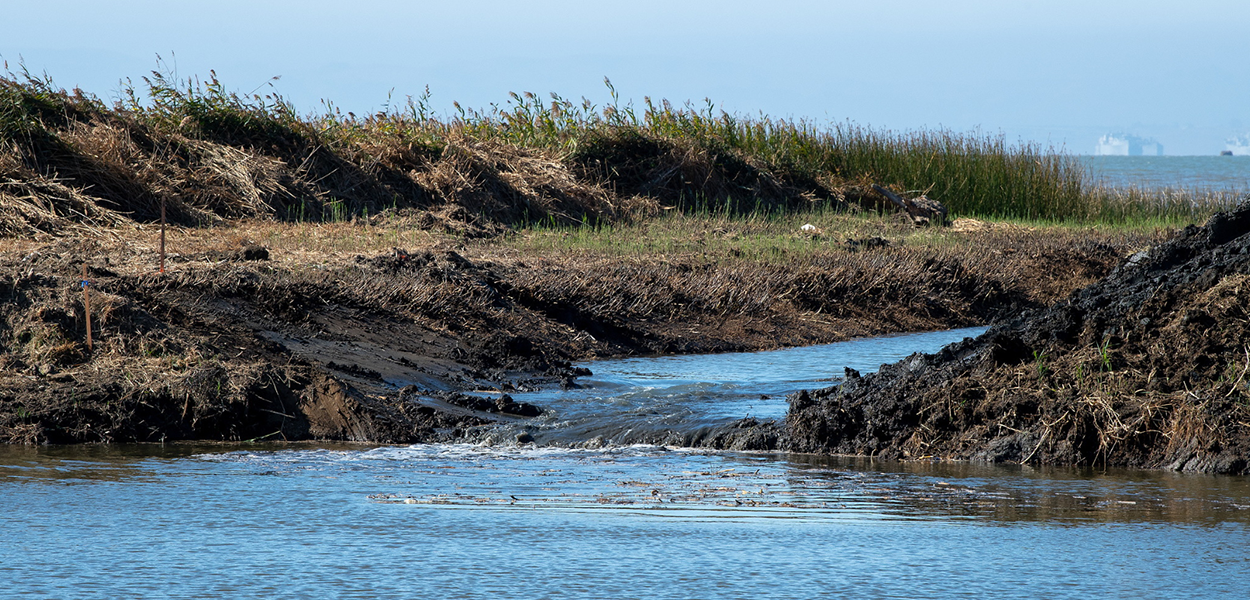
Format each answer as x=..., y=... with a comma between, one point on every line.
x=1059, y=73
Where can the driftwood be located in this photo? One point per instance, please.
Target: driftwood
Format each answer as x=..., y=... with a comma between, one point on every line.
x=923, y=210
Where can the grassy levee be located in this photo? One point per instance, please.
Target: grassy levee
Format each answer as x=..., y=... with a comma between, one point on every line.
x=70, y=160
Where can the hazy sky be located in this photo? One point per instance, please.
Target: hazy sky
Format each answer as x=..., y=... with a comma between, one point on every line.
x=1057, y=71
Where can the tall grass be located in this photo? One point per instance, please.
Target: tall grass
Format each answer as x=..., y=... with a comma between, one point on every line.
x=207, y=109
x=973, y=174
x=746, y=164
x=29, y=104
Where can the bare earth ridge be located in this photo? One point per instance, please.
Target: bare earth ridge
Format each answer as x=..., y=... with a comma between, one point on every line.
x=1146, y=368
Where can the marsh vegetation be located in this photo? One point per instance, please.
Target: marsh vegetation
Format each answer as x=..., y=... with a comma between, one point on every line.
x=316, y=259
x=72, y=160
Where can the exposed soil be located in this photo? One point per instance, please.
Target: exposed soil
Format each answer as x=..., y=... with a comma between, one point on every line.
x=243, y=340
x=1146, y=368
x=238, y=341
x=237, y=349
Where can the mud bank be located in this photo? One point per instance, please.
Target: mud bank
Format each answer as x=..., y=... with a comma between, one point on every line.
x=1147, y=368
x=239, y=341
x=236, y=348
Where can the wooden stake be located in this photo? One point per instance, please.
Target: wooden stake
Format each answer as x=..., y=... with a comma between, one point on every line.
x=162, y=234
x=86, y=300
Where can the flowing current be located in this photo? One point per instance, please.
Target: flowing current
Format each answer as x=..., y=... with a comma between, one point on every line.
x=669, y=399
x=588, y=510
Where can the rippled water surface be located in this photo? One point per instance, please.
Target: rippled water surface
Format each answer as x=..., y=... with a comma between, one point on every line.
x=1215, y=173
x=663, y=399
x=617, y=521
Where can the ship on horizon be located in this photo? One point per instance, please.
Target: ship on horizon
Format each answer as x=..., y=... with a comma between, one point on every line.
x=1237, y=145
x=1122, y=144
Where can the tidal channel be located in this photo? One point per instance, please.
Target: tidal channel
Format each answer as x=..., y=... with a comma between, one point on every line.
x=594, y=507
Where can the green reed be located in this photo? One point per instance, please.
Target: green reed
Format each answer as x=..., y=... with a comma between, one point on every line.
x=973, y=174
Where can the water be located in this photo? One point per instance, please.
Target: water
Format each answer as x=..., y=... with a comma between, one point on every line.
x=619, y=521
x=665, y=399
x=1199, y=173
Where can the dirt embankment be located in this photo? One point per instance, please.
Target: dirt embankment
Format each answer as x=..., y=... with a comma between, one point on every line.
x=239, y=341
x=231, y=347
x=1147, y=368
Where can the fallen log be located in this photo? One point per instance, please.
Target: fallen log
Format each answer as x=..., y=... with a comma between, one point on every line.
x=923, y=210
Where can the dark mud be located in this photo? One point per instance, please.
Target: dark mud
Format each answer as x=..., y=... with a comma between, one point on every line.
x=241, y=350
x=247, y=343
x=1147, y=368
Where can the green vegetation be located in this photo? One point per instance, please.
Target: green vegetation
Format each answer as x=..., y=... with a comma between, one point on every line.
x=206, y=109
x=217, y=154
x=30, y=107
x=754, y=237
x=1039, y=363
x=1104, y=353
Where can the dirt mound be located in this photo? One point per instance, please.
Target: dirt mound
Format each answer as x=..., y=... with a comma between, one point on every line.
x=692, y=174
x=239, y=340
x=231, y=347
x=1147, y=368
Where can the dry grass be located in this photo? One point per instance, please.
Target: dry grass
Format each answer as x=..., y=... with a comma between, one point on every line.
x=207, y=154
x=1177, y=388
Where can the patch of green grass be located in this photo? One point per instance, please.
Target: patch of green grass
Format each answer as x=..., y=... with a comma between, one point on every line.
x=724, y=236
x=1104, y=354
x=1039, y=363
x=782, y=237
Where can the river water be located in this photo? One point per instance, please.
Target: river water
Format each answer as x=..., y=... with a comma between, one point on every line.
x=612, y=518
x=1229, y=174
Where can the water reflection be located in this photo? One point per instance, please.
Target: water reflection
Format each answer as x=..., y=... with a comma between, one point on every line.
x=1021, y=493
x=657, y=481
x=119, y=463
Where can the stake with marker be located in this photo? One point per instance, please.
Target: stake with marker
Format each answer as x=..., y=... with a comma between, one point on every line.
x=86, y=300
x=162, y=234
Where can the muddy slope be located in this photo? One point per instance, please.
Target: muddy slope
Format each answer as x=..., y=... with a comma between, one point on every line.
x=1147, y=368
x=233, y=348
x=240, y=343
